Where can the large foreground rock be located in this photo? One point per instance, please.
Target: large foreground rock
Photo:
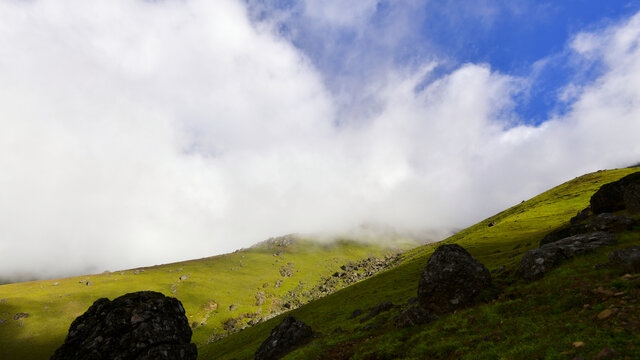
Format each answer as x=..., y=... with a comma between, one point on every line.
x=611, y=197
x=535, y=263
x=451, y=279
x=284, y=338
x=143, y=325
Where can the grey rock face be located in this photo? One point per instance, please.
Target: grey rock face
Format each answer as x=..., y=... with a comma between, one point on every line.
x=611, y=222
x=535, y=263
x=602, y=222
x=140, y=325
x=285, y=337
x=451, y=279
x=627, y=258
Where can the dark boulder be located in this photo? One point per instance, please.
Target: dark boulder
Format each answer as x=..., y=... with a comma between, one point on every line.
x=451, y=279
x=415, y=315
x=141, y=325
x=284, y=338
x=536, y=262
x=631, y=197
x=610, y=197
x=627, y=258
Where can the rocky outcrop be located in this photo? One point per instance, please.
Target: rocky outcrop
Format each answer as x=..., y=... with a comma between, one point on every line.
x=627, y=258
x=284, y=338
x=611, y=197
x=451, y=279
x=415, y=315
x=536, y=262
x=141, y=325
x=601, y=222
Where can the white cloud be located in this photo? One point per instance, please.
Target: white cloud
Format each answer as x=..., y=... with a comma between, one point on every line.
x=134, y=133
x=341, y=13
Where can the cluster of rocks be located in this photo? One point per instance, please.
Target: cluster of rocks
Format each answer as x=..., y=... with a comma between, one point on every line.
x=590, y=229
x=140, y=325
x=349, y=274
x=287, y=270
x=237, y=323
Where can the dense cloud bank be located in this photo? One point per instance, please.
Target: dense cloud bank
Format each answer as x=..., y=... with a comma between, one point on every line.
x=134, y=133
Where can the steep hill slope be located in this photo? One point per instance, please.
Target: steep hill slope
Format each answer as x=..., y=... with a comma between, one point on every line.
x=518, y=319
x=221, y=294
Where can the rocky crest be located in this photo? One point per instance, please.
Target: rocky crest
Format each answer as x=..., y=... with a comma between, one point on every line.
x=141, y=325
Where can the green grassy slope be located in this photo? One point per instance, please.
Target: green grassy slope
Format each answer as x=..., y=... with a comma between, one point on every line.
x=518, y=319
x=213, y=285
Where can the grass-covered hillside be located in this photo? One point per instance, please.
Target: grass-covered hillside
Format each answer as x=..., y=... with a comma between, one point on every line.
x=557, y=317
x=220, y=294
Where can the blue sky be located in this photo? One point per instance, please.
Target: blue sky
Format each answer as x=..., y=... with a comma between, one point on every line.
x=192, y=128
x=521, y=38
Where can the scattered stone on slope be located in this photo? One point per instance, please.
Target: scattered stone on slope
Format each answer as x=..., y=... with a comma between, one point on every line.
x=141, y=325
x=260, y=298
x=536, y=262
x=285, y=337
x=20, y=315
x=415, y=315
x=376, y=310
x=611, y=197
x=352, y=273
x=451, y=279
x=627, y=258
x=286, y=270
